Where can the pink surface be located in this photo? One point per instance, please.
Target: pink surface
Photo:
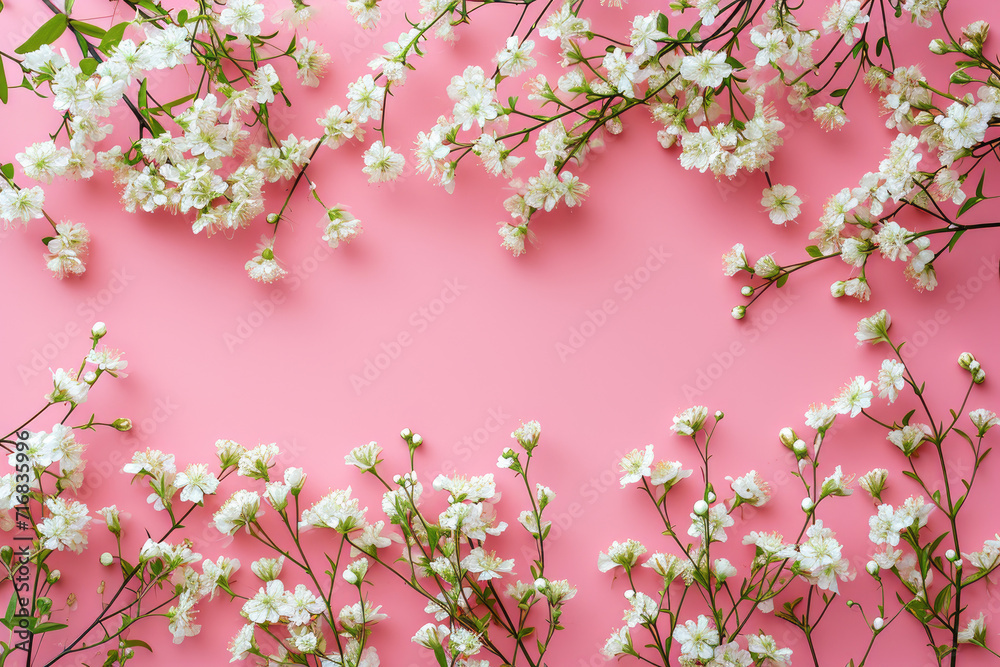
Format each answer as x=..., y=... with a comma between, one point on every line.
x=618, y=319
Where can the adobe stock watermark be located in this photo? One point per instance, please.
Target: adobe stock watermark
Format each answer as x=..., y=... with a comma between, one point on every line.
x=470, y=443
x=210, y=538
x=750, y=332
x=98, y=472
x=959, y=297
x=361, y=39
x=72, y=331
x=624, y=289
x=419, y=321
x=588, y=494
x=263, y=309
x=793, y=122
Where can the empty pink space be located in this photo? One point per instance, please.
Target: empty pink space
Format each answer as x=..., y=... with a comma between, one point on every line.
x=616, y=318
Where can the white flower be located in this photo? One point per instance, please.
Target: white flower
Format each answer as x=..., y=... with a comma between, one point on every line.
x=910, y=437
x=620, y=643
x=67, y=388
x=845, y=17
x=487, y=565
x=975, y=630
x=750, y=488
x=311, y=61
x=266, y=606
x=644, y=609
x=264, y=267
x=24, y=204
x=382, y=163
x=706, y=68
x=242, y=17
x=690, y=420
x=624, y=554
x=697, y=639
x=364, y=457
x=763, y=647
x=855, y=397
x=771, y=46
x=781, y=202
x=621, y=71
x=636, y=465
x=711, y=527
x=830, y=116
x=195, y=482
x=42, y=161
x=515, y=58
x=365, y=98
x=735, y=261
x=983, y=420
x=336, y=510
x=891, y=379
x=668, y=473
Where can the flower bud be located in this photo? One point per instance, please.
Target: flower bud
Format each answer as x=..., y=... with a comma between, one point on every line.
x=701, y=508
x=872, y=568
x=122, y=424
x=540, y=584
x=272, y=218
x=938, y=47
x=406, y=434
x=107, y=559
x=838, y=289
x=739, y=312
x=878, y=623
x=746, y=290
x=808, y=505
x=711, y=496
x=950, y=555
x=787, y=437
x=965, y=360
x=960, y=77
x=99, y=330
x=799, y=447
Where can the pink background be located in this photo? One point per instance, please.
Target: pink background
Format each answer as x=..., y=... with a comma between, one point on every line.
x=214, y=355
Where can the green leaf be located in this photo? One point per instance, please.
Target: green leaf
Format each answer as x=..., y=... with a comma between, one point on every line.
x=48, y=627
x=439, y=654
x=782, y=279
x=840, y=92
x=735, y=64
x=3, y=84
x=88, y=29
x=8, y=170
x=663, y=23
x=906, y=418
x=814, y=251
x=972, y=201
x=130, y=643
x=112, y=37
x=8, y=618
x=49, y=32
x=88, y=66
x=182, y=17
